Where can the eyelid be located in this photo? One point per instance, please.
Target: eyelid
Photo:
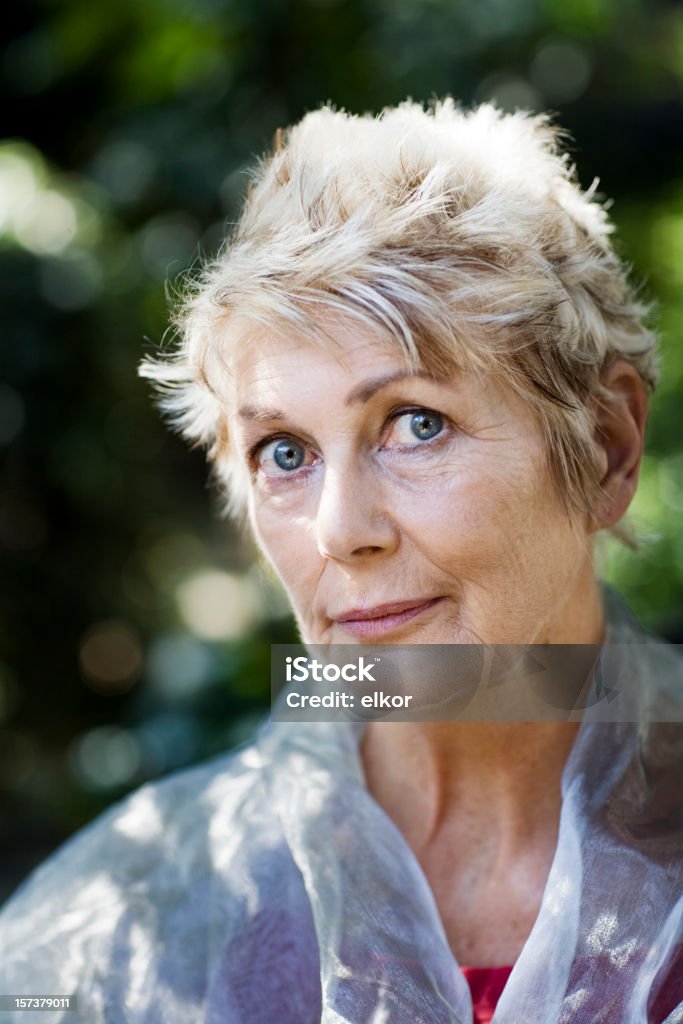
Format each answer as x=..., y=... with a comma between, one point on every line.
x=393, y=414
x=254, y=449
x=255, y=465
x=397, y=413
x=403, y=410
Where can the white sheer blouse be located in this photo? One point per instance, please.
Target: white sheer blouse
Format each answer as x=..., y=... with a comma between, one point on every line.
x=268, y=887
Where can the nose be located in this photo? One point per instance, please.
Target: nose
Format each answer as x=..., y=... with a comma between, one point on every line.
x=353, y=520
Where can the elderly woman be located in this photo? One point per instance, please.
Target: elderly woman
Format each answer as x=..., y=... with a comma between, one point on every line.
x=419, y=368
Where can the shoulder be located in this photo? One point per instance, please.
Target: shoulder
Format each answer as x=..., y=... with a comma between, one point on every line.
x=134, y=838
x=640, y=667
x=164, y=869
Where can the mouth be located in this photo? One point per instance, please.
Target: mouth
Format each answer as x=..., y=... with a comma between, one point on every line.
x=370, y=623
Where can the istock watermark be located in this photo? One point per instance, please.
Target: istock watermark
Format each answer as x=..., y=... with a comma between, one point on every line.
x=302, y=669
x=477, y=682
x=352, y=679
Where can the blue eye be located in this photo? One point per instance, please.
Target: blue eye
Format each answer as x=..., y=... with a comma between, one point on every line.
x=283, y=456
x=420, y=425
x=425, y=425
x=288, y=455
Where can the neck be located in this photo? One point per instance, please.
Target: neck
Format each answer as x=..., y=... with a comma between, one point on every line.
x=508, y=773
x=433, y=777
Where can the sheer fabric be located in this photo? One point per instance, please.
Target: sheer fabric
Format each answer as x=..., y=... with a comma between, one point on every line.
x=486, y=985
x=268, y=887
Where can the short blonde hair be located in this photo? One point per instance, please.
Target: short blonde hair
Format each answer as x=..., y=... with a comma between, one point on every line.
x=462, y=235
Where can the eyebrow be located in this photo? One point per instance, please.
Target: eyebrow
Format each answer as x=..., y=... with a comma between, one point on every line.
x=258, y=414
x=364, y=392
x=361, y=393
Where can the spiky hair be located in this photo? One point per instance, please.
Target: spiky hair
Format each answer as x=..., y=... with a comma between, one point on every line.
x=462, y=235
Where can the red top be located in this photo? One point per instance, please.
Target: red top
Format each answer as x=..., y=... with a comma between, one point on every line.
x=486, y=985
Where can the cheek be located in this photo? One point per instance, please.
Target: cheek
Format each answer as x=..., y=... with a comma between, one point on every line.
x=528, y=534
x=501, y=521
x=475, y=509
x=288, y=542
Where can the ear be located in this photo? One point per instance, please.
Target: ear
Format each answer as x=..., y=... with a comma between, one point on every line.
x=620, y=433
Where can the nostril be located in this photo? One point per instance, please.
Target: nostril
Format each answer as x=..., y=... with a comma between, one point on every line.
x=369, y=549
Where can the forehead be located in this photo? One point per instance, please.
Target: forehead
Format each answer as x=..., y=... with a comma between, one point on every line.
x=327, y=369
x=346, y=355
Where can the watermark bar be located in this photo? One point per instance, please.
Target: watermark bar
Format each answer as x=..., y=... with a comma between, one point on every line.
x=615, y=682
x=22, y=1001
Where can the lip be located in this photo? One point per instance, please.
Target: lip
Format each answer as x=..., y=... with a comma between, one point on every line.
x=369, y=623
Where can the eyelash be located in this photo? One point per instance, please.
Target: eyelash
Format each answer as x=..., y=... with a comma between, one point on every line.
x=428, y=442
x=393, y=415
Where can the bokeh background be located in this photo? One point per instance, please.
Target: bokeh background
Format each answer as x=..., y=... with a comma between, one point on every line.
x=135, y=624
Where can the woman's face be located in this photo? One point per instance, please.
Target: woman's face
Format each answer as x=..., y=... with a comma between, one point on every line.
x=399, y=508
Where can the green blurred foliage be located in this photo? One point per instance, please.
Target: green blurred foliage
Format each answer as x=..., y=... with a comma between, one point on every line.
x=128, y=130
